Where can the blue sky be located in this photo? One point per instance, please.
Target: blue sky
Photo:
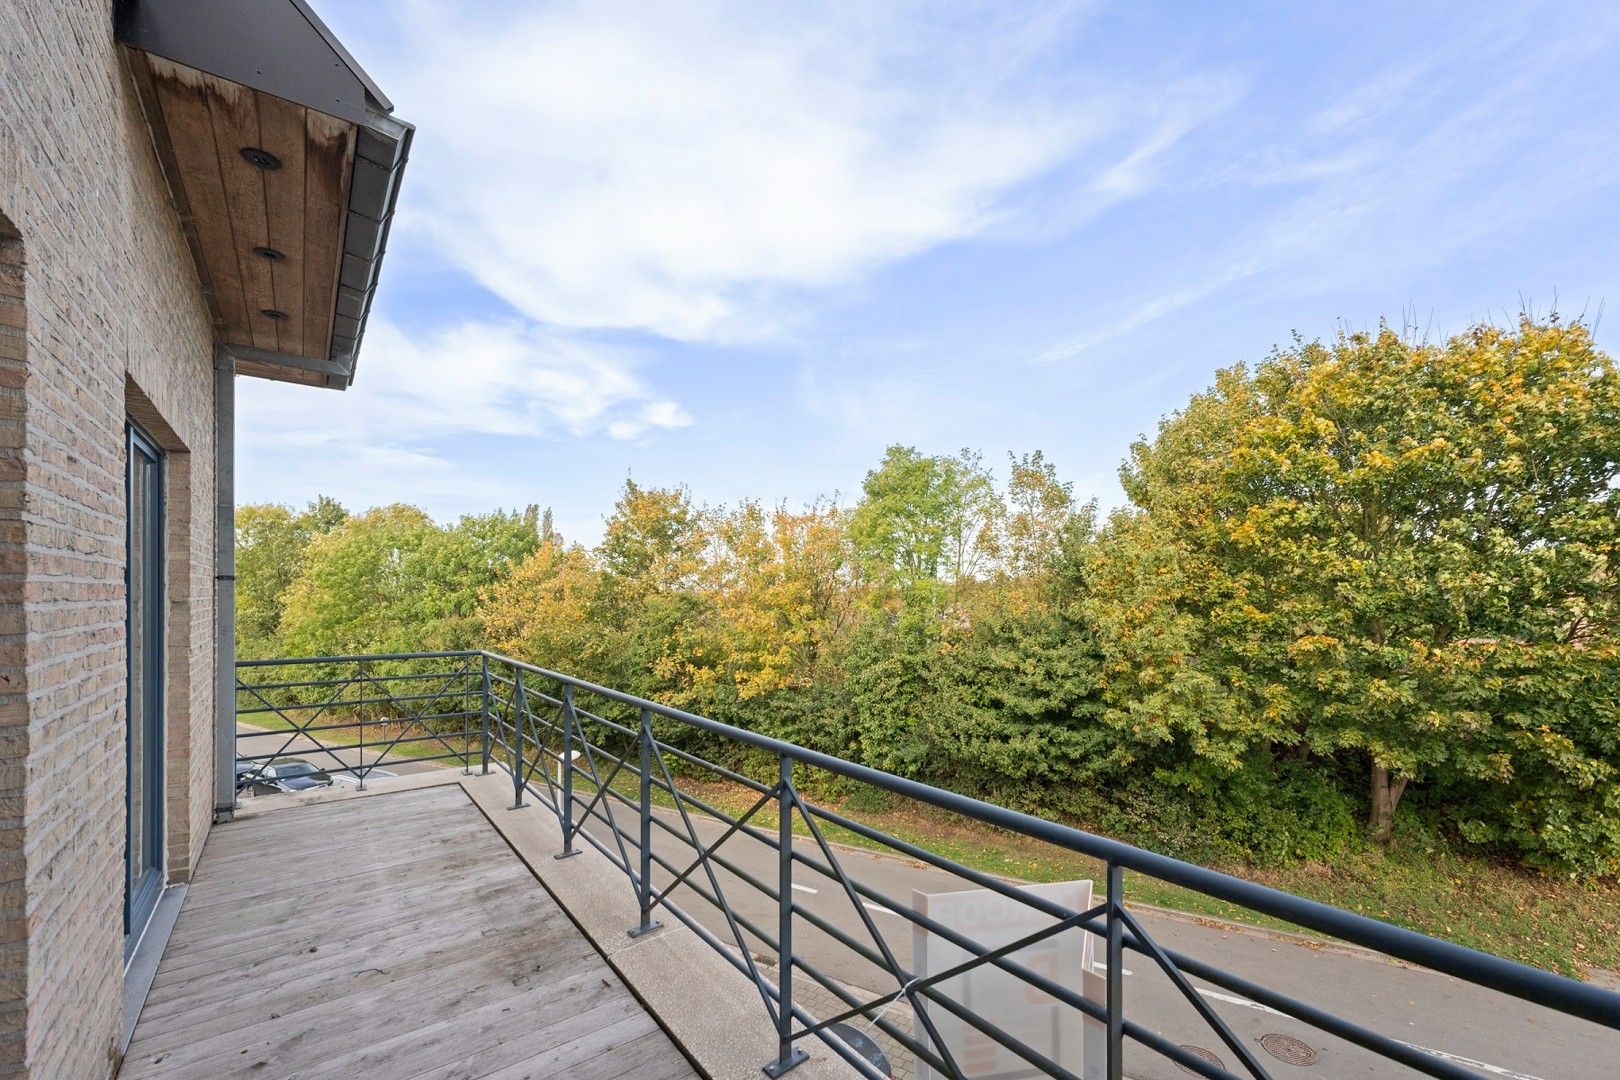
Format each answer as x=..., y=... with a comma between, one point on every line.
x=745, y=246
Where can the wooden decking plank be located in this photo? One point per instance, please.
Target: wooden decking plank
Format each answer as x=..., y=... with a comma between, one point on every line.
x=295, y=975
x=395, y=917
x=642, y=1056
x=291, y=825
x=344, y=991
x=288, y=910
x=439, y=955
x=254, y=881
x=304, y=1039
x=542, y=1055
x=453, y=1040
x=239, y=837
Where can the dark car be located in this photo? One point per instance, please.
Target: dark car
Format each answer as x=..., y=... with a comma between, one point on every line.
x=283, y=774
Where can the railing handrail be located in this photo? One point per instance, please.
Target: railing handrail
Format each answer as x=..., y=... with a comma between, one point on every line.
x=1520, y=980
x=282, y=661
x=1536, y=985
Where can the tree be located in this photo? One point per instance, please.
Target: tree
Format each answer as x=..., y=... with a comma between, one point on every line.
x=541, y=611
x=271, y=542
x=1326, y=544
x=392, y=580
x=925, y=521
x=1040, y=508
x=648, y=605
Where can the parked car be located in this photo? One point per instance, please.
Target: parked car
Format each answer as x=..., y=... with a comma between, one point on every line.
x=282, y=774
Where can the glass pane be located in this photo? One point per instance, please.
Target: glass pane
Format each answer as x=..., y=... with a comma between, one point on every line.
x=144, y=835
x=139, y=497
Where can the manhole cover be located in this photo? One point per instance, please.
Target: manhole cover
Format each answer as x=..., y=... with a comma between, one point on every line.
x=1287, y=1049
x=1203, y=1055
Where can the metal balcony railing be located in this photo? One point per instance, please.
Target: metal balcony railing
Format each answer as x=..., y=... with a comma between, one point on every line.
x=603, y=761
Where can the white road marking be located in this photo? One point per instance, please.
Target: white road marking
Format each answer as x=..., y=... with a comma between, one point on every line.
x=804, y=888
x=1494, y=1070
x=1235, y=1000
x=880, y=909
x=1100, y=967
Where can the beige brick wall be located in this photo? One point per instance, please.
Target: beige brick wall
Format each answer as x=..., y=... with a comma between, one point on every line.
x=111, y=323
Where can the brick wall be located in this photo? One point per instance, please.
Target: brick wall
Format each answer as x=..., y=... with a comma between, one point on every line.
x=112, y=323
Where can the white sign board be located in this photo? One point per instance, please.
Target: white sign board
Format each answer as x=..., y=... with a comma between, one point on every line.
x=1001, y=998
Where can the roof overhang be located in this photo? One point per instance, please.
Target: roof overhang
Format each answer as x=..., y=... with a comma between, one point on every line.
x=284, y=162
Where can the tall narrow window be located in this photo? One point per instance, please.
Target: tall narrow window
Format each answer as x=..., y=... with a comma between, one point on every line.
x=143, y=852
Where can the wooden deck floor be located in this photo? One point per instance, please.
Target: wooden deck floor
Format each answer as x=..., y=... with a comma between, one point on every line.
x=395, y=935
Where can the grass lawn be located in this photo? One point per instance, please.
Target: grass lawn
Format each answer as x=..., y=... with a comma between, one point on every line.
x=377, y=736
x=1548, y=922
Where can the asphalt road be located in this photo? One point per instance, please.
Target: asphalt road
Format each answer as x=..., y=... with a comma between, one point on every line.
x=1497, y=1036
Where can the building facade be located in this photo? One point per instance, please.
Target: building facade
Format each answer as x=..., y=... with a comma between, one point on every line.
x=130, y=276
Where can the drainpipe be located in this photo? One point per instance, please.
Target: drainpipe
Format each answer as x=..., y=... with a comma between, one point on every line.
x=224, y=585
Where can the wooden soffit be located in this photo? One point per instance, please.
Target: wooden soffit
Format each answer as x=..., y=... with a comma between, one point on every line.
x=285, y=188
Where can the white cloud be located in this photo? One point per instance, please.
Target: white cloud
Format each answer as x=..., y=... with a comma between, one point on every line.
x=385, y=439
x=508, y=378
x=1399, y=174
x=673, y=168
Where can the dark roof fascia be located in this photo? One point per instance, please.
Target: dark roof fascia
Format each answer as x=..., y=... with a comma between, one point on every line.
x=278, y=46
x=381, y=151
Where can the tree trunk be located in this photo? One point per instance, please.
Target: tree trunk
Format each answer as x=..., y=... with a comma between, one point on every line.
x=1385, y=797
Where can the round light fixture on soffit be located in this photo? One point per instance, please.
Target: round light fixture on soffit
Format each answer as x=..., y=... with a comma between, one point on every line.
x=262, y=159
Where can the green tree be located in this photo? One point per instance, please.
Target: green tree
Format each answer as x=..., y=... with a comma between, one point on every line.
x=1040, y=512
x=271, y=541
x=391, y=580
x=925, y=521
x=1326, y=545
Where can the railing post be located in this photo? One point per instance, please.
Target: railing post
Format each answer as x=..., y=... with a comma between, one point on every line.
x=485, y=700
x=360, y=712
x=648, y=923
x=519, y=707
x=1116, y=977
x=567, y=775
x=787, y=1055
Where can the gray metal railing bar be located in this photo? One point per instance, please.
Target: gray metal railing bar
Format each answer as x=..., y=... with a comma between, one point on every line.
x=884, y=962
x=429, y=736
x=335, y=703
x=306, y=684
x=1518, y=980
x=1204, y=1009
x=1130, y=1029
x=457, y=714
x=960, y=969
x=287, y=661
x=705, y=853
x=1391, y=1048
x=298, y=729
x=596, y=777
x=905, y=978
x=721, y=770
x=344, y=766
x=967, y=873
x=764, y=937
x=535, y=734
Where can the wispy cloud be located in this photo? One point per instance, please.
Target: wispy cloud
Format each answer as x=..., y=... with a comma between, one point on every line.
x=417, y=394
x=1402, y=171
x=676, y=168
